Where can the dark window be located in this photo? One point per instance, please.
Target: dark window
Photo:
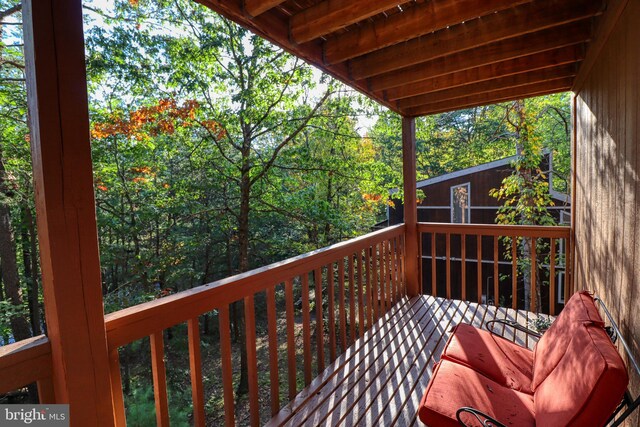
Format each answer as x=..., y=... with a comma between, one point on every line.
x=460, y=207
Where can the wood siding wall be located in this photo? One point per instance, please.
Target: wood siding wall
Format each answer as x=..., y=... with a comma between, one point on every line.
x=607, y=182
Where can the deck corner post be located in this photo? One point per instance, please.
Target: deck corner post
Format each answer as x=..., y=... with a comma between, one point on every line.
x=65, y=207
x=410, y=205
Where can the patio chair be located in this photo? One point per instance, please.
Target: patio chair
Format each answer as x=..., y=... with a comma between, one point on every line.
x=573, y=377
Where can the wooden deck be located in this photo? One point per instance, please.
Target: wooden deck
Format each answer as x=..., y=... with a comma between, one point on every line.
x=380, y=379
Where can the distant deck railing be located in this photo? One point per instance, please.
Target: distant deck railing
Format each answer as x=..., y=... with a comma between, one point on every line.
x=361, y=278
x=486, y=263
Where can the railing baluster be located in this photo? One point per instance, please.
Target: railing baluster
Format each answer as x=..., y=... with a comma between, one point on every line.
x=274, y=378
x=227, y=370
x=195, y=365
x=159, y=379
x=332, y=312
x=317, y=278
x=514, y=273
x=568, y=267
x=479, y=257
x=402, y=257
x=383, y=290
x=291, y=339
x=342, y=300
x=496, y=278
x=361, y=325
x=306, y=329
x=448, y=264
x=434, y=285
x=352, y=302
x=534, y=275
x=252, y=360
x=116, y=390
x=389, y=275
x=376, y=276
x=552, y=278
x=463, y=266
x=394, y=269
x=369, y=276
x=384, y=255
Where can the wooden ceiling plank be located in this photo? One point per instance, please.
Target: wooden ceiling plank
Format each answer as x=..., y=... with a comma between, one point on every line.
x=525, y=19
x=414, y=22
x=257, y=7
x=490, y=102
x=500, y=51
x=492, y=97
x=331, y=15
x=274, y=26
x=500, y=83
x=567, y=55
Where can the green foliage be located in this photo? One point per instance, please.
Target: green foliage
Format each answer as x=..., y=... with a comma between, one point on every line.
x=525, y=193
x=141, y=411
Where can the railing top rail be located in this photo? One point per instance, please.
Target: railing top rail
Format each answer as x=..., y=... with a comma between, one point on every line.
x=24, y=362
x=136, y=322
x=557, y=232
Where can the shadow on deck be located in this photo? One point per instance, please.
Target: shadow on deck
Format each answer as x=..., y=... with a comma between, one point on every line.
x=380, y=379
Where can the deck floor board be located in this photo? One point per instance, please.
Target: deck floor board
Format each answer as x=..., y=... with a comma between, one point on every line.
x=380, y=379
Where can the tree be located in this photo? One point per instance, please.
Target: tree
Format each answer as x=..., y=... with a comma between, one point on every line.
x=525, y=193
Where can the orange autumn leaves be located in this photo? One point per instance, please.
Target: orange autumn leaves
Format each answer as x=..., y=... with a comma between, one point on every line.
x=162, y=118
x=145, y=123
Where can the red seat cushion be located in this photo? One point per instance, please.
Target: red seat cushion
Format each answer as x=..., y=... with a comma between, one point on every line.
x=552, y=346
x=501, y=360
x=586, y=385
x=453, y=386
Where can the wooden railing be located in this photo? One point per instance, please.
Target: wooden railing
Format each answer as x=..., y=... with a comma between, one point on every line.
x=351, y=284
x=26, y=362
x=491, y=263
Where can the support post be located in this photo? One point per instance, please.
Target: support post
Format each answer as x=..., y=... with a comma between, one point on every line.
x=410, y=205
x=65, y=206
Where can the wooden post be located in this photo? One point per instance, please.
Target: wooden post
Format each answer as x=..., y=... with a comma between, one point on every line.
x=65, y=206
x=410, y=205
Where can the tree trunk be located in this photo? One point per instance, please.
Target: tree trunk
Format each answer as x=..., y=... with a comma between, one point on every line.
x=9, y=263
x=243, y=260
x=29, y=259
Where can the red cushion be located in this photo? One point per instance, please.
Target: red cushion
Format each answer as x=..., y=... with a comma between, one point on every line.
x=587, y=384
x=453, y=386
x=501, y=360
x=553, y=344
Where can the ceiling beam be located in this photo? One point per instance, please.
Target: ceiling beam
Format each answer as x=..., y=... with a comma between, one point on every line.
x=516, y=80
x=421, y=19
x=567, y=55
x=488, y=54
x=256, y=7
x=493, y=97
x=525, y=19
x=331, y=15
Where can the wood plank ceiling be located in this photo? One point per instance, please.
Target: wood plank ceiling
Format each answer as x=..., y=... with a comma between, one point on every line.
x=429, y=56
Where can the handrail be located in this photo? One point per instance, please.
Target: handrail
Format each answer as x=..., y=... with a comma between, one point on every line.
x=557, y=232
x=139, y=321
x=362, y=278
x=24, y=362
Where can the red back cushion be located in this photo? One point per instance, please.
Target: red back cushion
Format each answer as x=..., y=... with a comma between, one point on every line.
x=552, y=346
x=586, y=385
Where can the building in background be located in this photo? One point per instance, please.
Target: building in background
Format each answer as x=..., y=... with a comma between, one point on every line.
x=462, y=197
